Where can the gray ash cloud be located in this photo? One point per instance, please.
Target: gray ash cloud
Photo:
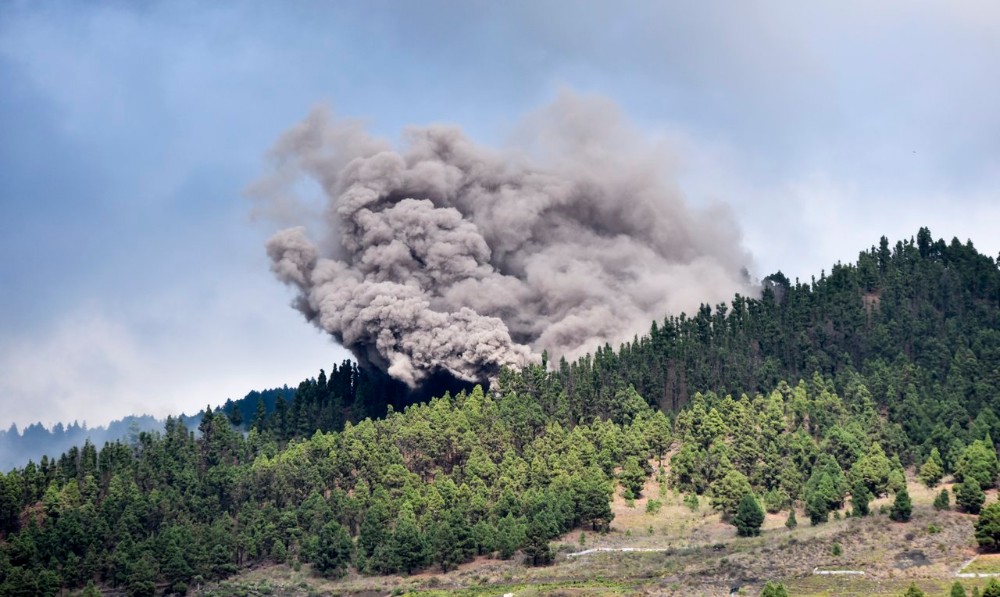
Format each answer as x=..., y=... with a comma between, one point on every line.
x=441, y=255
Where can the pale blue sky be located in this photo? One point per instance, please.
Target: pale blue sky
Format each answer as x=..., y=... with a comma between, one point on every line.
x=135, y=281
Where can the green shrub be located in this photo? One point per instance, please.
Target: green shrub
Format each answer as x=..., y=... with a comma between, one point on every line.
x=653, y=506
x=790, y=522
x=942, y=501
x=992, y=588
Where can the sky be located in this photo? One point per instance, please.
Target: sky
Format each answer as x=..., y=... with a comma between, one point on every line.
x=134, y=278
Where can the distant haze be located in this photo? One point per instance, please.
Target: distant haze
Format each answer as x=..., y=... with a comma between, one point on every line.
x=444, y=255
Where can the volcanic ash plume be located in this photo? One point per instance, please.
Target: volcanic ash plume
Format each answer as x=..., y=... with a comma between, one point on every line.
x=444, y=255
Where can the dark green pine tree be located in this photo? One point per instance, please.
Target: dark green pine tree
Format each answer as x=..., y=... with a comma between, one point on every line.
x=749, y=516
x=333, y=554
x=633, y=477
x=902, y=507
x=373, y=534
x=510, y=535
x=444, y=551
x=408, y=544
x=988, y=527
x=969, y=497
x=860, y=499
x=142, y=579
x=536, y=547
x=260, y=415
x=818, y=509
x=593, y=500
x=235, y=415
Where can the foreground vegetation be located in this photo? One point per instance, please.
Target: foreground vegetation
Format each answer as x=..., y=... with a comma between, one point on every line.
x=701, y=555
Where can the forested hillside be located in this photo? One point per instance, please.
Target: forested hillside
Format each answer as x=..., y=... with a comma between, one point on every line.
x=815, y=393
x=917, y=324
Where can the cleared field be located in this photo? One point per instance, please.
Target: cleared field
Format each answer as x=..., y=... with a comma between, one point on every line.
x=984, y=564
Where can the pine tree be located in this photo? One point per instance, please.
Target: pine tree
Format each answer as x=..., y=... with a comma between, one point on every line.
x=443, y=546
x=969, y=497
x=278, y=552
x=536, y=547
x=235, y=415
x=407, y=542
x=978, y=461
x=510, y=535
x=818, y=509
x=942, y=501
x=957, y=590
x=749, y=516
x=790, y=522
x=860, y=499
x=260, y=415
x=988, y=527
x=334, y=551
x=932, y=470
x=902, y=508
x=633, y=478
x=728, y=492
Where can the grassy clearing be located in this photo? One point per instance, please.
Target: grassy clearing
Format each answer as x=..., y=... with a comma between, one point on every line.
x=984, y=564
x=817, y=586
x=593, y=589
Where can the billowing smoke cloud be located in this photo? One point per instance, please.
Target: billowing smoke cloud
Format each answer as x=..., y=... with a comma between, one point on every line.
x=444, y=255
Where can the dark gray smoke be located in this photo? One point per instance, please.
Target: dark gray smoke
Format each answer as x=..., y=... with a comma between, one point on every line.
x=444, y=255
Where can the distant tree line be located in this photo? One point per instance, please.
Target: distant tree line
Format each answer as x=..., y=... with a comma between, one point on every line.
x=36, y=441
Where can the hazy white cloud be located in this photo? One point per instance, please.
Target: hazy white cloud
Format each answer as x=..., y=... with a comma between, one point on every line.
x=173, y=355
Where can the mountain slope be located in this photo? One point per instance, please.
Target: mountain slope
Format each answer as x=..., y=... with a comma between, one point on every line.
x=898, y=355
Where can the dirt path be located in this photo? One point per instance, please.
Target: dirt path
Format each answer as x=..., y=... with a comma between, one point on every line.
x=587, y=552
